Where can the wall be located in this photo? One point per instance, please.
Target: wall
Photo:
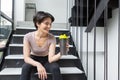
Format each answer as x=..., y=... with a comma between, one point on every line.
x=99, y=38
x=19, y=11
x=99, y=50
x=112, y=26
x=58, y=8
x=6, y=8
x=113, y=46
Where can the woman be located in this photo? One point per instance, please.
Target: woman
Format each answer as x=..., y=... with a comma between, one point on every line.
x=39, y=49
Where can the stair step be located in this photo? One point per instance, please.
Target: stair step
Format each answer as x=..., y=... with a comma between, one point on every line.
x=33, y=28
x=18, y=39
x=31, y=24
x=18, y=61
x=21, y=57
x=21, y=45
x=64, y=70
x=11, y=71
x=18, y=49
x=21, y=35
x=24, y=30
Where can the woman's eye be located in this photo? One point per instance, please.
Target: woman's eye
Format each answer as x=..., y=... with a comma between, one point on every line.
x=47, y=24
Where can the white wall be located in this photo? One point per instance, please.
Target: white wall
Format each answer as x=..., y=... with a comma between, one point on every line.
x=19, y=14
x=58, y=8
x=99, y=50
x=99, y=39
x=19, y=10
x=113, y=46
x=6, y=7
x=112, y=25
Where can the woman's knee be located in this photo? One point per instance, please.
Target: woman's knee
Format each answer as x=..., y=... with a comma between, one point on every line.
x=26, y=67
x=54, y=66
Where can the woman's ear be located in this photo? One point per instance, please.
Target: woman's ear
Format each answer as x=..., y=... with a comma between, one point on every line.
x=37, y=24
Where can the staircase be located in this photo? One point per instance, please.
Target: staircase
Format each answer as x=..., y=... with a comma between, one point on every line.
x=79, y=12
x=70, y=65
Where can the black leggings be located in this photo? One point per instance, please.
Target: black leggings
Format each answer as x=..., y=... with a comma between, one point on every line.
x=50, y=68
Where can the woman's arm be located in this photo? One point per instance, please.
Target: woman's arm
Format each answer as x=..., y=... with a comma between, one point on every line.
x=41, y=70
x=52, y=57
x=26, y=53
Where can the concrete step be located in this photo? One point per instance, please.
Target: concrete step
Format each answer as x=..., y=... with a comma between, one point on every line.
x=21, y=45
x=18, y=49
x=21, y=35
x=21, y=57
x=17, y=38
x=31, y=24
x=64, y=70
x=18, y=61
x=52, y=29
x=68, y=73
x=24, y=30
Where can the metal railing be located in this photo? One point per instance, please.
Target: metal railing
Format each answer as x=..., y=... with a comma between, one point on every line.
x=86, y=36
x=6, y=29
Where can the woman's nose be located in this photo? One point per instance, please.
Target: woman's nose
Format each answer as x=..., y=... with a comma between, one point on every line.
x=49, y=26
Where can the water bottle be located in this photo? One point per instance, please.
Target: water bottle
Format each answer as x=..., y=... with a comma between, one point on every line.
x=63, y=43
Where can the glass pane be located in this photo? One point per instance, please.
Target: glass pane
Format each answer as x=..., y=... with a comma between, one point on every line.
x=5, y=30
x=6, y=7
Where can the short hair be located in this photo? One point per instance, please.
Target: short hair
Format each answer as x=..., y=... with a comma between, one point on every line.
x=40, y=16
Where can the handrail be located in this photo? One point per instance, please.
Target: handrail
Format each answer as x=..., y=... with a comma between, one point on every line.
x=119, y=44
x=99, y=10
x=6, y=17
x=1, y=60
x=4, y=49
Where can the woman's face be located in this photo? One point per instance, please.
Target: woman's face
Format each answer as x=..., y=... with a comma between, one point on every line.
x=45, y=25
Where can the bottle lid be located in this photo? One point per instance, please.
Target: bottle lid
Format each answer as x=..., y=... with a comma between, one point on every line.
x=64, y=36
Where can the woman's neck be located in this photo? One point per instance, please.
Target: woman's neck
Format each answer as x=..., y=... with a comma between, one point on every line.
x=40, y=34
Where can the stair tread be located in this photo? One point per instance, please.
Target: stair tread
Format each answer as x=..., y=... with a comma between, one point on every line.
x=21, y=57
x=21, y=45
x=32, y=28
x=20, y=35
x=64, y=70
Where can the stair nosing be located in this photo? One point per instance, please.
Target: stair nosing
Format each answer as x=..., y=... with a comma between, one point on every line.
x=33, y=28
x=21, y=57
x=64, y=70
x=21, y=35
x=21, y=45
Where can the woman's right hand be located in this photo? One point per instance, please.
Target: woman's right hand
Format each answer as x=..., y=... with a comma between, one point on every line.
x=41, y=72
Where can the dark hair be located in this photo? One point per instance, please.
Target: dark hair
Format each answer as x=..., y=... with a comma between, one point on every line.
x=40, y=16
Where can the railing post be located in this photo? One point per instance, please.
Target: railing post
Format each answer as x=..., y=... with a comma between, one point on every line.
x=105, y=45
x=119, y=44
